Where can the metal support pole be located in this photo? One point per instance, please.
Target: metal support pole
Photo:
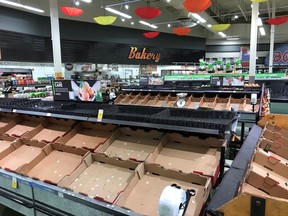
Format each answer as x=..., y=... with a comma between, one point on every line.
x=55, y=36
x=272, y=35
x=253, y=42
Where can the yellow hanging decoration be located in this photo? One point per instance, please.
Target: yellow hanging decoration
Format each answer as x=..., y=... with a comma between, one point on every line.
x=259, y=1
x=105, y=20
x=220, y=27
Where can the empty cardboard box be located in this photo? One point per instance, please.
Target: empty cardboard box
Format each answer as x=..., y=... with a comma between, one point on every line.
x=193, y=102
x=275, y=136
x=144, y=197
x=189, y=154
x=22, y=153
x=127, y=143
x=272, y=162
x=5, y=118
x=247, y=188
x=50, y=130
x=274, y=146
x=267, y=181
x=208, y=102
x=60, y=161
x=277, y=130
x=5, y=145
x=87, y=135
x=102, y=178
x=21, y=124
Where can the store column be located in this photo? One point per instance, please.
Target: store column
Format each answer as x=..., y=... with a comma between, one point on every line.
x=272, y=35
x=253, y=42
x=55, y=36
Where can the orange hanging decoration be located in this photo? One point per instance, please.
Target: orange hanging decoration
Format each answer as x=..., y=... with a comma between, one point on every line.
x=151, y=34
x=181, y=31
x=277, y=20
x=196, y=6
x=71, y=11
x=147, y=12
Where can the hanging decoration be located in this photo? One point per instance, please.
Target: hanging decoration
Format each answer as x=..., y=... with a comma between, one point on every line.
x=151, y=34
x=181, y=31
x=72, y=11
x=259, y=1
x=105, y=20
x=278, y=20
x=196, y=6
x=220, y=27
x=147, y=12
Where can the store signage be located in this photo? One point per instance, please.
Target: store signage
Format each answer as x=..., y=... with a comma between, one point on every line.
x=143, y=55
x=280, y=56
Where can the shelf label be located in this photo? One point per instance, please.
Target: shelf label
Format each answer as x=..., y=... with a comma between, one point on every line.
x=14, y=182
x=100, y=115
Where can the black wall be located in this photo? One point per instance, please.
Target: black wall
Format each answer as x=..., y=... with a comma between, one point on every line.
x=26, y=37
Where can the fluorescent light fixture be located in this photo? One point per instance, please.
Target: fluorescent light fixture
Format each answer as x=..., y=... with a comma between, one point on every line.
x=259, y=22
x=222, y=34
x=148, y=24
x=169, y=25
x=236, y=17
x=262, y=31
x=126, y=6
x=168, y=1
x=123, y=19
x=15, y=4
x=77, y=3
x=198, y=17
x=132, y=23
x=87, y=1
x=209, y=25
x=118, y=12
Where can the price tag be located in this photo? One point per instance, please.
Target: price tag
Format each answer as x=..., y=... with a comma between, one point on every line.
x=48, y=114
x=100, y=115
x=14, y=182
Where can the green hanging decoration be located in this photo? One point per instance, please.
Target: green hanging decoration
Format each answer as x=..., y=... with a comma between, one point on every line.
x=219, y=61
x=210, y=66
x=228, y=64
x=238, y=62
x=201, y=63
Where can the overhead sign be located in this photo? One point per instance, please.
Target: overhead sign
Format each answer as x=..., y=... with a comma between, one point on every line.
x=280, y=56
x=143, y=54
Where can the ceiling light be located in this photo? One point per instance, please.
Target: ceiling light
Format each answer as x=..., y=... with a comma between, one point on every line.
x=259, y=22
x=126, y=6
x=197, y=16
x=198, y=21
x=118, y=12
x=87, y=1
x=132, y=23
x=77, y=3
x=122, y=19
x=209, y=25
x=169, y=25
x=262, y=31
x=148, y=24
x=222, y=34
x=236, y=17
x=168, y=1
x=21, y=6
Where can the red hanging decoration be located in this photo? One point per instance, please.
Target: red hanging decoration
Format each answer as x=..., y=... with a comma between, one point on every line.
x=72, y=11
x=151, y=34
x=196, y=6
x=181, y=31
x=277, y=21
x=147, y=12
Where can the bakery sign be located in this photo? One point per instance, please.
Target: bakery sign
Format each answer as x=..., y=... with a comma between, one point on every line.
x=143, y=54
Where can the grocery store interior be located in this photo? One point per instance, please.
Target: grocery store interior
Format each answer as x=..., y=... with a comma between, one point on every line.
x=143, y=107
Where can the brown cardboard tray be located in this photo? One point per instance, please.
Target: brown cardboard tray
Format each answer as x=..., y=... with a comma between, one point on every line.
x=139, y=99
x=22, y=153
x=247, y=188
x=275, y=136
x=193, y=102
x=223, y=104
x=208, y=102
x=247, y=107
x=50, y=130
x=102, y=178
x=272, y=162
x=5, y=145
x=274, y=146
x=277, y=130
x=60, y=161
x=126, y=143
x=149, y=100
x=5, y=118
x=144, y=197
x=267, y=181
x=120, y=98
x=237, y=104
x=189, y=154
x=21, y=124
x=88, y=135
x=128, y=99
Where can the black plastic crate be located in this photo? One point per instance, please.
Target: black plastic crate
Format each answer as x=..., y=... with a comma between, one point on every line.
x=43, y=106
x=13, y=103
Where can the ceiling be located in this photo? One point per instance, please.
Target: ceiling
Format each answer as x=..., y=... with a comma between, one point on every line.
x=221, y=11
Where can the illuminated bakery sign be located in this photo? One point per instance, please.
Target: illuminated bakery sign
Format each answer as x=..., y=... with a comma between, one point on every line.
x=143, y=55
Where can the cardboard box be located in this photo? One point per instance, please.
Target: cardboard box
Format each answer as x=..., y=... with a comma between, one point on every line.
x=237, y=103
x=88, y=135
x=102, y=178
x=138, y=100
x=223, y=103
x=275, y=136
x=278, y=131
x=5, y=118
x=144, y=197
x=148, y=100
x=193, y=102
x=120, y=98
x=247, y=188
x=60, y=161
x=272, y=162
x=128, y=99
x=5, y=145
x=208, y=102
x=189, y=154
x=50, y=130
x=248, y=107
x=274, y=146
x=127, y=143
x=21, y=124
x=22, y=153
x=267, y=181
